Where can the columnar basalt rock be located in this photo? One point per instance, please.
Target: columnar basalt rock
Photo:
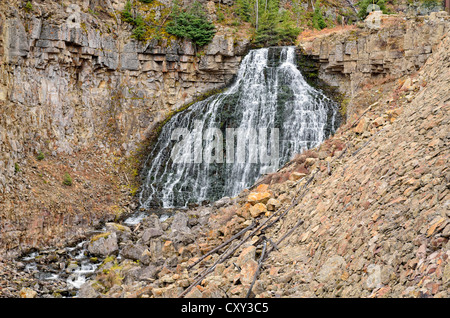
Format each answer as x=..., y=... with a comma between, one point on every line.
x=399, y=47
x=76, y=88
x=73, y=85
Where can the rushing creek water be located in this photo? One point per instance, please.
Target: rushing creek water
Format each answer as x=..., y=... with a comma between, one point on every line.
x=230, y=139
x=69, y=267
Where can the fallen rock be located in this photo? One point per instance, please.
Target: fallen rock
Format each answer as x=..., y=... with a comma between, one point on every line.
x=150, y=233
x=273, y=204
x=194, y=293
x=294, y=176
x=331, y=269
x=310, y=161
x=246, y=255
x=133, y=251
x=361, y=126
x=87, y=290
x=248, y=271
x=180, y=224
x=258, y=209
x=222, y=202
x=262, y=188
x=123, y=232
x=27, y=293
x=259, y=197
x=379, y=121
x=103, y=244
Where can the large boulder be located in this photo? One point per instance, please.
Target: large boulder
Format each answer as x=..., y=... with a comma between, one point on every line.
x=180, y=224
x=122, y=232
x=88, y=290
x=152, y=228
x=103, y=244
x=136, y=252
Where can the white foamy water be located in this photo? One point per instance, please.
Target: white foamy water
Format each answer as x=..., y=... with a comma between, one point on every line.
x=269, y=92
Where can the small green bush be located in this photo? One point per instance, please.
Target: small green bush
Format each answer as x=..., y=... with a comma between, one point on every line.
x=126, y=14
x=139, y=31
x=40, y=156
x=29, y=6
x=16, y=167
x=220, y=16
x=67, y=180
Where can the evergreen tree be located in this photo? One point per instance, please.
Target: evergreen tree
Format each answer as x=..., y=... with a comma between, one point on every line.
x=287, y=29
x=243, y=9
x=139, y=31
x=275, y=25
x=318, y=21
x=192, y=24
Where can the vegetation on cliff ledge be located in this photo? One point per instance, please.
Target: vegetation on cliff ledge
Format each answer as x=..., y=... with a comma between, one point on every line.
x=266, y=22
x=191, y=24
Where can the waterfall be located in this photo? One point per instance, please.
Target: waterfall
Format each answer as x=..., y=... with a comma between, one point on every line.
x=219, y=146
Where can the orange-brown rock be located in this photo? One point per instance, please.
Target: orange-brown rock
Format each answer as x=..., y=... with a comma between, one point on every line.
x=259, y=197
x=258, y=209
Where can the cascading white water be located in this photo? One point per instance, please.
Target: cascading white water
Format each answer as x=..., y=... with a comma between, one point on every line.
x=269, y=92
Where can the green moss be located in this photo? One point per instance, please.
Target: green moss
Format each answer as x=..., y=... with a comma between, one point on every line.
x=108, y=259
x=99, y=236
x=119, y=227
x=344, y=105
x=83, y=27
x=93, y=12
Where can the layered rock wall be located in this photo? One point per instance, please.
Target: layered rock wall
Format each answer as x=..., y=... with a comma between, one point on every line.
x=71, y=80
x=350, y=59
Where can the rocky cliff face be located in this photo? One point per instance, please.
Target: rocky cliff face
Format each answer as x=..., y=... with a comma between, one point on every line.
x=398, y=46
x=77, y=89
x=71, y=80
